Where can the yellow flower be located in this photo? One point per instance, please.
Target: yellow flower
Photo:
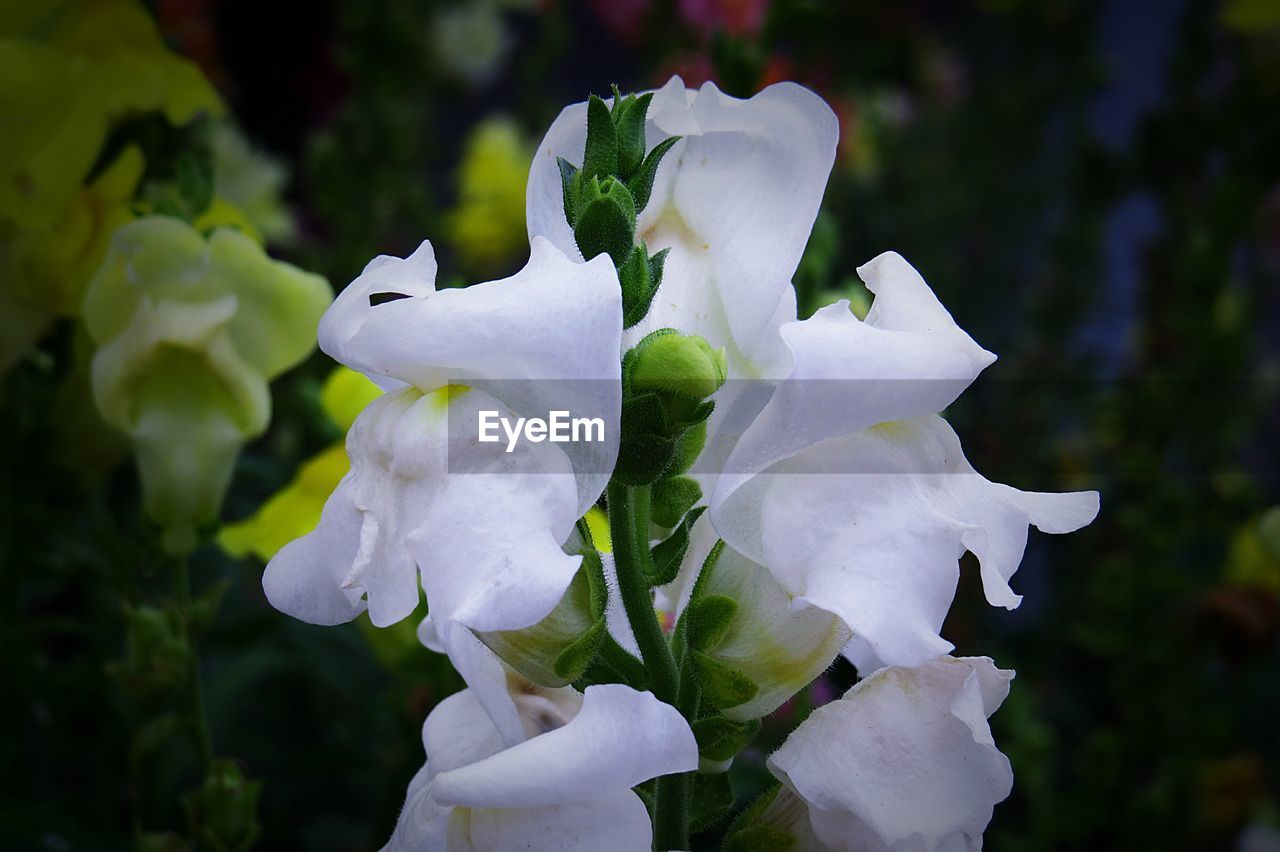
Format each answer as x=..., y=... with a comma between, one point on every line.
x=62, y=87
x=295, y=510
x=46, y=269
x=487, y=227
x=189, y=332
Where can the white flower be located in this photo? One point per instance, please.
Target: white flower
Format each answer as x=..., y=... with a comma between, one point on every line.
x=734, y=201
x=482, y=526
x=857, y=496
x=565, y=784
x=904, y=761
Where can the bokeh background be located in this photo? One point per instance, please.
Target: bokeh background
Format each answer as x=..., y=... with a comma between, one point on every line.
x=1092, y=188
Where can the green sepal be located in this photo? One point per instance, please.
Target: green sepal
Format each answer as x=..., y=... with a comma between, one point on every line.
x=573, y=661
x=669, y=553
x=195, y=183
x=638, y=285
x=712, y=798
x=688, y=447
x=645, y=448
x=721, y=739
x=641, y=183
x=593, y=567
x=747, y=834
x=672, y=498
x=722, y=685
x=569, y=186
x=708, y=620
x=643, y=459
x=628, y=116
x=657, y=264
x=600, y=159
x=605, y=220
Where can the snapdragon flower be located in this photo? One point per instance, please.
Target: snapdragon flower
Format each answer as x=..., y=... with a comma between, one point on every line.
x=873, y=539
x=563, y=782
x=485, y=531
x=189, y=333
x=904, y=760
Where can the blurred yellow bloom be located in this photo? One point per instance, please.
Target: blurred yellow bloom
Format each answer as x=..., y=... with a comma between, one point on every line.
x=189, y=332
x=1254, y=557
x=487, y=227
x=295, y=510
x=1251, y=16
x=47, y=269
x=61, y=88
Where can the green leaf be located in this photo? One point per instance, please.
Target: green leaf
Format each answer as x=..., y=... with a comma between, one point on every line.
x=672, y=498
x=607, y=224
x=712, y=799
x=629, y=119
x=195, y=183
x=657, y=263
x=573, y=661
x=641, y=183
x=722, y=685
x=708, y=620
x=569, y=185
x=720, y=738
x=688, y=448
x=600, y=158
x=669, y=553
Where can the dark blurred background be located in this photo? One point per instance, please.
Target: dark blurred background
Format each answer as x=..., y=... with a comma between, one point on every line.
x=1092, y=188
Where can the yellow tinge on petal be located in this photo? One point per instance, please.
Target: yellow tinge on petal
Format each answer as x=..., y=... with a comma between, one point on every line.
x=190, y=331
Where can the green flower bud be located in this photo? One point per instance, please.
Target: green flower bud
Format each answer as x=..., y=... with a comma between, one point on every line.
x=224, y=812
x=682, y=365
x=189, y=333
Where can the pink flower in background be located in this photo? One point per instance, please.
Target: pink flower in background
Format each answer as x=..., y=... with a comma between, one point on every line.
x=735, y=17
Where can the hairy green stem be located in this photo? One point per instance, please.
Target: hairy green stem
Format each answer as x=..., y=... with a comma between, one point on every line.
x=193, y=701
x=673, y=792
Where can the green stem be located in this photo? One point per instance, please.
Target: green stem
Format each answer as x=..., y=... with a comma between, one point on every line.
x=629, y=520
x=197, y=719
x=673, y=792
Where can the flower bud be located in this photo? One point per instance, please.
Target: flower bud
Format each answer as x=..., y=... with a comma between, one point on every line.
x=683, y=365
x=224, y=812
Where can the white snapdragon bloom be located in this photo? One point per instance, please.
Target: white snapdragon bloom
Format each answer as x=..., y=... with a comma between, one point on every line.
x=565, y=784
x=483, y=527
x=904, y=761
x=857, y=495
x=875, y=538
x=734, y=201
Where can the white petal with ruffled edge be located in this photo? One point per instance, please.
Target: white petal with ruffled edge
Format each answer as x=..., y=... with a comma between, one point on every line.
x=904, y=760
x=409, y=484
x=546, y=339
x=734, y=201
x=870, y=527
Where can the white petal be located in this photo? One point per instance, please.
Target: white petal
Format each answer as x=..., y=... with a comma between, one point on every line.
x=545, y=339
x=410, y=482
x=904, y=760
x=734, y=201
x=907, y=359
x=620, y=738
x=615, y=822
x=870, y=527
x=305, y=577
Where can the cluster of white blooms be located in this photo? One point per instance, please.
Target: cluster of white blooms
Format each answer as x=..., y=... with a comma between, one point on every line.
x=833, y=506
